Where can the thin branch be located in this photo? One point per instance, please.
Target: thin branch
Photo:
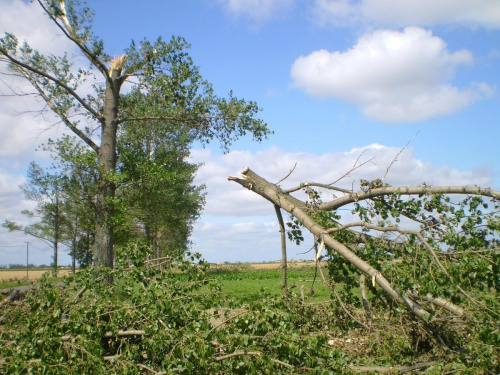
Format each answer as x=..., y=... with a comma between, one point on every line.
x=61, y=115
x=394, y=229
x=347, y=311
x=392, y=369
x=476, y=301
x=419, y=190
x=227, y=320
x=330, y=186
x=353, y=168
x=399, y=153
x=254, y=354
x=68, y=33
x=125, y=333
x=288, y=175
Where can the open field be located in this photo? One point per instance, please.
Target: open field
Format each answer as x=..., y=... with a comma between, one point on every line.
x=250, y=282
x=262, y=266
x=6, y=275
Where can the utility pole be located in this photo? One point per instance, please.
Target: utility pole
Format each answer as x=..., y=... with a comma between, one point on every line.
x=27, y=256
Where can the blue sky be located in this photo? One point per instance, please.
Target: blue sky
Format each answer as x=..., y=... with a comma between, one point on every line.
x=334, y=78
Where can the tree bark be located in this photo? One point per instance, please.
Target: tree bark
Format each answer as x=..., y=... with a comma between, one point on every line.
x=103, y=252
x=284, y=259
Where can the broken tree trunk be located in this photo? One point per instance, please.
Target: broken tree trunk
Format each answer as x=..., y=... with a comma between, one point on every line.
x=301, y=211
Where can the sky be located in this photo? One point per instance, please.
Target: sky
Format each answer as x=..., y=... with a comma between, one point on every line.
x=337, y=80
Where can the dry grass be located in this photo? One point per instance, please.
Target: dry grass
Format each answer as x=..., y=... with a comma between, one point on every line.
x=6, y=275
x=276, y=265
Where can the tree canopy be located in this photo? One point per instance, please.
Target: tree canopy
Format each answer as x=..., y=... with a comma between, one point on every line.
x=164, y=86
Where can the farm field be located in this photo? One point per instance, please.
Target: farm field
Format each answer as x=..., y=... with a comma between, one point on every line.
x=250, y=282
x=9, y=278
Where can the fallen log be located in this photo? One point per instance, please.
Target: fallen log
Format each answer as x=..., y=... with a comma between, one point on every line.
x=13, y=296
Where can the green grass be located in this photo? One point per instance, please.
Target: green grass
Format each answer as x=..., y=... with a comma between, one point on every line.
x=247, y=285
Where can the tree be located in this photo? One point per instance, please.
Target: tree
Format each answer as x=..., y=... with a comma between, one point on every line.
x=47, y=190
x=425, y=247
x=157, y=186
x=166, y=86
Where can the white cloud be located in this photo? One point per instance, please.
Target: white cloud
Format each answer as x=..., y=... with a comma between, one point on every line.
x=22, y=127
x=27, y=21
x=237, y=224
x=394, y=76
x=397, y=13
x=258, y=10
x=225, y=198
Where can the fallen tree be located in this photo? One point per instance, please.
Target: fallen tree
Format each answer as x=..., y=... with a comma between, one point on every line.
x=414, y=242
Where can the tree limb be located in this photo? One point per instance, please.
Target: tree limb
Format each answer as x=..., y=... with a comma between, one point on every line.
x=61, y=115
x=377, y=192
x=297, y=208
x=58, y=82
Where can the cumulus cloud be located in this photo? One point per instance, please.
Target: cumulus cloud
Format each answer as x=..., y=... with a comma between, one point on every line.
x=237, y=224
x=258, y=10
x=394, y=76
x=397, y=13
x=22, y=127
x=226, y=198
x=28, y=22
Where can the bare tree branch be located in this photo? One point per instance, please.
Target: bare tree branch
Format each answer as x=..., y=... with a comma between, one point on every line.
x=419, y=190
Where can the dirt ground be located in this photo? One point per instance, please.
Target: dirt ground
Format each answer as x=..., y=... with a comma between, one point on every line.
x=6, y=275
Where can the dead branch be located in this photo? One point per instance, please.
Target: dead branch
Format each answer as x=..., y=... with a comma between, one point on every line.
x=10, y=298
x=330, y=186
x=288, y=175
x=254, y=354
x=364, y=299
x=125, y=333
x=392, y=369
x=399, y=153
x=454, y=309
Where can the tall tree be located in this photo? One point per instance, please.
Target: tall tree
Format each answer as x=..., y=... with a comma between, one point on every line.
x=158, y=184
x=165, y=85
x=47, y=190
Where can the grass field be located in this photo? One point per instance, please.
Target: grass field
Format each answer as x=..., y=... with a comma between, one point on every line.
x=249, y=282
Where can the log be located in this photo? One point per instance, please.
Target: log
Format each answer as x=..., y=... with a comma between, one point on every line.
x=10, y=298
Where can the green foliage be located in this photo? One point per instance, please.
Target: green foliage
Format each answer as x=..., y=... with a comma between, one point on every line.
x=172, y=326
x=169, y=105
